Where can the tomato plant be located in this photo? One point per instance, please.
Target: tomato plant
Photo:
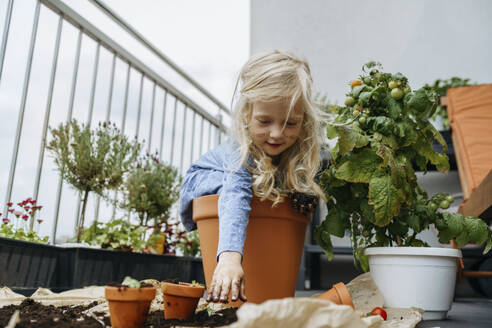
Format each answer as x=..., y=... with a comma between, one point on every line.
x=371, y=185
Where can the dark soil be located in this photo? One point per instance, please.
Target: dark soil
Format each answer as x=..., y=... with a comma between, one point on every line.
x=36, y=315
x=117, y=284
x=172, y=281
x=199, y=319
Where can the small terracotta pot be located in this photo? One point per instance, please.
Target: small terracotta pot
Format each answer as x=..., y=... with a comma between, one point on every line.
x=180, y=300
x=338, y=294
x=129, y=307
x=272, y=250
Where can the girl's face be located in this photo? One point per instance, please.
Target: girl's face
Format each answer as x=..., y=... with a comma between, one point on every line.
x=271, y=130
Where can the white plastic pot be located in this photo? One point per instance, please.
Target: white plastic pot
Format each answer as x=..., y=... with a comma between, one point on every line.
x=422, y=277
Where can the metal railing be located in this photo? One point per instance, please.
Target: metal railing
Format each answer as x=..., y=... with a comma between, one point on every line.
x=172, y=98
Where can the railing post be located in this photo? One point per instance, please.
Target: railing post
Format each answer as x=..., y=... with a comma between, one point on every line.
x=20, y=119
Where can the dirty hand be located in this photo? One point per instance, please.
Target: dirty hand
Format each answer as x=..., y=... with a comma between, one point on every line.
x=228, y=277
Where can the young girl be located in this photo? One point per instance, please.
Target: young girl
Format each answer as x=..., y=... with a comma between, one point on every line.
x=274, y=153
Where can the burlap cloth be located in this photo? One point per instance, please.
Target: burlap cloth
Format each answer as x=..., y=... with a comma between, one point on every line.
x=299, y=312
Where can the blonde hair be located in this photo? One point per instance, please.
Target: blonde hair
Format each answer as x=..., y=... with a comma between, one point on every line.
x=270, y=77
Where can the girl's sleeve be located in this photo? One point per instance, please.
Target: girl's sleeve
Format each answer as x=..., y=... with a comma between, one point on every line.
x=234, y=208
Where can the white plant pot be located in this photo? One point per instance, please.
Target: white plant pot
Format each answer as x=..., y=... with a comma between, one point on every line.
x=422, y=277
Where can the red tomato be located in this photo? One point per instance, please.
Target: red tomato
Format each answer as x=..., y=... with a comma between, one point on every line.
x=379, y=311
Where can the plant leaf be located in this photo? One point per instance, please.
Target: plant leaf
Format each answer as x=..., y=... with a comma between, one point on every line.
x=385, y=198
x=359, y=167
x=350, y=137
x=477, y=230
x=336, y=222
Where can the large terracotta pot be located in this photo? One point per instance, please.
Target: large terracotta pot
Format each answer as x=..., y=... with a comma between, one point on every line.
x=272, y=251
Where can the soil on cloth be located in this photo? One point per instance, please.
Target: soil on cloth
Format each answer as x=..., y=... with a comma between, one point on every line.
x=36, y=315
x=121, y=286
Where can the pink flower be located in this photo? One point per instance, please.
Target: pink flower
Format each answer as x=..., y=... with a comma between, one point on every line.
x=10, y=204
x=11, y=210
x=5, y=220
x=27, y=207
x=25, y=217
x=39, y=221
x=17, y=213
x=33, y=202
x=20, y=204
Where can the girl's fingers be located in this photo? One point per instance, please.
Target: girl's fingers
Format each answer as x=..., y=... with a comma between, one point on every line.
x=216, y=291
x=242, y=293
x=236, y=285
x=226, y=287
x=210, y=290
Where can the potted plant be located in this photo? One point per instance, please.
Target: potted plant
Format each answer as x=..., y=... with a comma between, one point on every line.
x=150, y=190
x=118, y=235
x=92, y=160
x=129, y=303
x=29, y=262
x=181, y=298
x=373, y=193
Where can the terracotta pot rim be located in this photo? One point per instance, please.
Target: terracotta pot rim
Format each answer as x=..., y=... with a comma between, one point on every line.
x=183, y=289
x=343, y=294
x=274, y=214
x=129, y=294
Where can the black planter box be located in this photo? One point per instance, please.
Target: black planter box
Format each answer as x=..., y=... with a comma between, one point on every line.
x=78, y=267
x=25, y=266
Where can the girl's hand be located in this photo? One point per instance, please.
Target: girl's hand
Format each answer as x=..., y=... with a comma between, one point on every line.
x=228, y=277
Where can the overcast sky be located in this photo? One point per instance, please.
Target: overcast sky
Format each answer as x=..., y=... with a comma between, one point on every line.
x=209, y=40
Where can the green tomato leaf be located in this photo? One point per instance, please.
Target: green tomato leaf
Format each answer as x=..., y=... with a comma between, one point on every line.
x=350, y=137
x=385, y=198
x=323, y=239
x=488, y=247
x=477, y=230
x=455, y=222
x=393, y=106
x=422, y=102
x=357, y=90
x=367, y=210
x=463, y=238
x=414, y=222
x=437, y=136
x=359, y=167
x=365, y=97
x=445, y=236
x=441, y=161
x=336, y=222
x=331, y=132
x=381, y=124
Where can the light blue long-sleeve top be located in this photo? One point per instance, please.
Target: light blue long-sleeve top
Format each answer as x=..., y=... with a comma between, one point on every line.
x=218, y=172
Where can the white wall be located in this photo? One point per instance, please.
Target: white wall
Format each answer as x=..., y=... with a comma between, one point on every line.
x=423, y=39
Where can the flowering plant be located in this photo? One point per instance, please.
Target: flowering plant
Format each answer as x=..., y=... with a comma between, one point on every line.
x=25, y=210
